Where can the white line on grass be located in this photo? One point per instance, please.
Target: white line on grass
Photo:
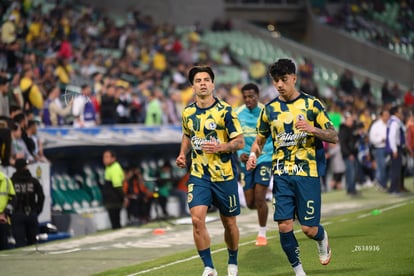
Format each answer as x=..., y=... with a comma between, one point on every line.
x=249, y=242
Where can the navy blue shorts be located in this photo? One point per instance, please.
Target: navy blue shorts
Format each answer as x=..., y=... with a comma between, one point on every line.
x=224, y=195
x=260, y=175
x=297, y=195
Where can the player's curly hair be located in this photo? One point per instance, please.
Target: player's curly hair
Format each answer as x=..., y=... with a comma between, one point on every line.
x=281, y=67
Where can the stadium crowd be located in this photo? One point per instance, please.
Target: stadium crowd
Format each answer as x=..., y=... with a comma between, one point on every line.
x=389, y=24
x=75, y=65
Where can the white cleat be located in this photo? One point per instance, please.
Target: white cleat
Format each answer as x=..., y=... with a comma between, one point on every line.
x=324, y=250
x=232, y=270
x=208, y=271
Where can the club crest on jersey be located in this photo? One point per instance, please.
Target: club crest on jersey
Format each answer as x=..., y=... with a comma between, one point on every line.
x=300, y=117
x=210, y=124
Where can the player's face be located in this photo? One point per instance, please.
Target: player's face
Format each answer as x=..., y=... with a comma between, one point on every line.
x=285, y=85
x=203, y=85
x=250, y=98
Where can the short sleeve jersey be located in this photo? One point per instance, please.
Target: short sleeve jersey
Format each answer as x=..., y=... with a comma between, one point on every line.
x=248, y=120
x=296, y=152
x=215, y=123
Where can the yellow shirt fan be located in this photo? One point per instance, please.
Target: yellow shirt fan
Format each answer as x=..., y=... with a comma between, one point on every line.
x=34, y=95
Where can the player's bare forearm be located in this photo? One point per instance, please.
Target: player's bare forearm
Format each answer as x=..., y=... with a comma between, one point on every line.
x=328, y=135
x=185, y=145
x=258, y=145
x=235, y=144
x=184, y=149
x=255, y=151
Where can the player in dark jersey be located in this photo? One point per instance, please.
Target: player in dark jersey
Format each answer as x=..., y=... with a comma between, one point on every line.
x=297, y=123
x=212, y=133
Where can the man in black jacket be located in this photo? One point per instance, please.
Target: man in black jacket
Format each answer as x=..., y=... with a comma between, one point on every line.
x=28, y=204
x=348, y=139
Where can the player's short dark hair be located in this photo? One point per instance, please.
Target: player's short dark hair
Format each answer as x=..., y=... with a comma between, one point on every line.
x=198, y=69
x=281, y=67
x=250, y=86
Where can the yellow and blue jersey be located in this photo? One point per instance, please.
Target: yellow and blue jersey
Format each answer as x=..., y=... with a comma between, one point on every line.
x=248, y=120
x=296, y=152
x=216, y=123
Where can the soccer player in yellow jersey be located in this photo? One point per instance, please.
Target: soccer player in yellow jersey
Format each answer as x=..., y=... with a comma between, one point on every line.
x=297, y=123
x=212, y=134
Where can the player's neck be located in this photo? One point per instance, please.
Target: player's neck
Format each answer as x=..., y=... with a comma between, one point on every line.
x=291, y=96
x=205, y=102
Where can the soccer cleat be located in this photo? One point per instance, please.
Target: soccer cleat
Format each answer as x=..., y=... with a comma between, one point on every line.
x=324, y=250
x=232, y=270
x=261, y=241
x=208, y=271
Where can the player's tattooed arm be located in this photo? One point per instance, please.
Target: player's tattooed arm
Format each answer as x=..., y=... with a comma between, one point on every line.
x=235, y=144
x=328, y=135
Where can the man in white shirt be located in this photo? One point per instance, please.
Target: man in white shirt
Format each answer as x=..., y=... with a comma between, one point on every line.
x=377, y=138
x=83, y=109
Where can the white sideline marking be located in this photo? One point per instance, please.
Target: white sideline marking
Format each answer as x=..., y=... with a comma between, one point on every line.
x=246, y=243
x=64, y=251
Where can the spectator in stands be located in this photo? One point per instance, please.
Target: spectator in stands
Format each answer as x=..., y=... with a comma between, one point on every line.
x=83, y=109
x=153, y=115
x=37, y=151
x=346, y=82
x=396, y=91
x=366, y=87
x=21, y=119
x=306, y=69
x=112, y=193
x=4, y=97
x=123, y=104
x=348, y=138
x=258, y=72
x=32, y=96
x=108, y=114
x=28, y=204
x=5, y=141
x=386, y=95
x=63, y=71
x=8, y=30
x=18, y=147
x=54, y=112
x=409, y=97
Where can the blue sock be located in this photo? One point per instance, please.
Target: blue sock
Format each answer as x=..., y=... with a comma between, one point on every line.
x=232, y=256
x=291, y=247
x=205, y=256
x=321, y=233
